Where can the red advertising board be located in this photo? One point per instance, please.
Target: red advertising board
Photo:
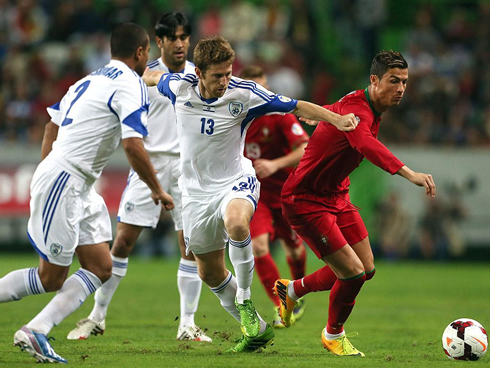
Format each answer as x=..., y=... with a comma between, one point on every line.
x=15, y=183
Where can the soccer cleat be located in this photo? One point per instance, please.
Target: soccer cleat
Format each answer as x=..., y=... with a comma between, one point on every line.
x=251, y=344
x=85, y=328
x=276, y=322
x=249, y=319
x=340, y=346
x=193, y=333
x=299, y=309
x=286, y=308
x=37, y=345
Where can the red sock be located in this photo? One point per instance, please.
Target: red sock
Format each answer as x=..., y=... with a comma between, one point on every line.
x=297, y=266
x=321, y=280
x=342, y=300
x=268, y=273
x=370, y=274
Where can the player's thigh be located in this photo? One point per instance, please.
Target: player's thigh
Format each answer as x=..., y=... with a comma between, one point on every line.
x=204, y=229
x=240, y=202
x=344, y=262
x=136, y=206
x=282, y=230
x=352, y=227
x=56, y=211
x=175, y=191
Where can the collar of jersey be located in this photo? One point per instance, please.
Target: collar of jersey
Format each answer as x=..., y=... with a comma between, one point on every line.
x=366, y=92
x=207, y=100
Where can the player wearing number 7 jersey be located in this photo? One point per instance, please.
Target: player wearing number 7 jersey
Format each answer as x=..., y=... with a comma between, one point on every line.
x=67, y=215
x=219, y=187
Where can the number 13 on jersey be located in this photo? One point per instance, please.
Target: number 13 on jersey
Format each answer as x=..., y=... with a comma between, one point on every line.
x=207, y=126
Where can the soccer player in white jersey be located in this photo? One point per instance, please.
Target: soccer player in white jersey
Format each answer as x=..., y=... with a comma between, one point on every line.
x=219, y=187
x=67, y=215
x=136, y=210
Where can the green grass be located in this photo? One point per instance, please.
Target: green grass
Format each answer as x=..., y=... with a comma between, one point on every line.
x=399, y=317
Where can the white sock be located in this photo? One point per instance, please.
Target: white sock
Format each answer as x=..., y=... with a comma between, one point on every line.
x=332, y=336
x=104, y=294
x=226, y=292
x=68, y=299
x=20, y=283
x=189, y=285
x=291, y=292
x=242, y=258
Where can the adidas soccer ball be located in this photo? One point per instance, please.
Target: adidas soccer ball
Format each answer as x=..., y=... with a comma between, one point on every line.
x=465, y=339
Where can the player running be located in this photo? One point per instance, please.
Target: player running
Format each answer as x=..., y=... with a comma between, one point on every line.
x=219, y=188
x=67, y=215
x=274, y=144
x=136, y=210
x=316, y=202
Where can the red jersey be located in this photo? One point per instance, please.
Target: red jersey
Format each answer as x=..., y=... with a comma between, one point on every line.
x=270, y=137
x=331, y=155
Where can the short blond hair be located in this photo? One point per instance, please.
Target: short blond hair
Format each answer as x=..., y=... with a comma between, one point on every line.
x=212, y=50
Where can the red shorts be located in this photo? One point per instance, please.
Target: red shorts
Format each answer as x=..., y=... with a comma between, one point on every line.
x=325, y=223
x=267, y=220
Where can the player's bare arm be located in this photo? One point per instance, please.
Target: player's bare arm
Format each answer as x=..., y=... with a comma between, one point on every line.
x=152, y=78
x=140, y=162
x=420, y=179
x=314, y=113
x=265, y=168
x=50, y=135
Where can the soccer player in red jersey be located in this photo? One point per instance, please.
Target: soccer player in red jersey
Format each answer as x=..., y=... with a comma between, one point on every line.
x=316, y=203
x=275, y=144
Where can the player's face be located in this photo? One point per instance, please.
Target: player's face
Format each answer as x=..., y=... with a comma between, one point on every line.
x=174, y=49
x=142, y=55
x=391, y=88
x=214, y=82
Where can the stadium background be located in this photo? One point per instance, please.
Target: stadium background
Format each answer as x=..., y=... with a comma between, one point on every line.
x=311, y=49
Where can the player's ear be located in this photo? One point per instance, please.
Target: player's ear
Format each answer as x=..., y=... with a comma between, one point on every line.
x=374, y=79
x=198, y=72
x=159, y=41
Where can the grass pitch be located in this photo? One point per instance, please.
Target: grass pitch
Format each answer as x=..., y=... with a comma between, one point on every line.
x=399, y=317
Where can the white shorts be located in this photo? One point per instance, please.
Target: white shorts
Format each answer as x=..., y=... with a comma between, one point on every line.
x=204, y=228
x=66, y=212
x=137, y=207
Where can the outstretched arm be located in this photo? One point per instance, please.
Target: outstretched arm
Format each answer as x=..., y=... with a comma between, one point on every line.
x=152, y=78
x=313, y=113
x=140, y=162
x=420, y=179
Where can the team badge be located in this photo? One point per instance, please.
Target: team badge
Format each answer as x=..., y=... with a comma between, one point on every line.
x=186, y=241
x=128, y=207
x=235, y=108
x=56, y=249
x=265, y=131
x=284, y=99
x=296, y=129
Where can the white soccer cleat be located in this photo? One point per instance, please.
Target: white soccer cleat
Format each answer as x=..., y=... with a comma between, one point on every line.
x=192, y=333
x=85, y=328
x=37, y=345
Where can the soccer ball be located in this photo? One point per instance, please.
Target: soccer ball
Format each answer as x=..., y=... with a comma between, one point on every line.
x=465, y=339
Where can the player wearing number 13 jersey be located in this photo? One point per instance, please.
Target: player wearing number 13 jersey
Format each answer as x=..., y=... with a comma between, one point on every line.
x=219, y=187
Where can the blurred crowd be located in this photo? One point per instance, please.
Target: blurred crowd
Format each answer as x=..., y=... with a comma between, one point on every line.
x=310, y=49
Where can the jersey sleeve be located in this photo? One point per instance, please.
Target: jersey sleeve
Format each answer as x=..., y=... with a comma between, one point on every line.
x=56, y=111
x=363, y=140
x=293, y=131
x=169, y=84
x=130, y=103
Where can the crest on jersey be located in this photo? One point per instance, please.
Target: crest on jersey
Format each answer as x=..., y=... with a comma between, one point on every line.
x=186, y=241
x=56, y=249
x=128, y=207
x=235, y=108
x=284, y=99
x=296, y=129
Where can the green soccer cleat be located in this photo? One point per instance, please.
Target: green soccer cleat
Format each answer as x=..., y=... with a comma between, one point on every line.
x=299, y=309
x=251, y=344
x=276, y=322
x=249, y=319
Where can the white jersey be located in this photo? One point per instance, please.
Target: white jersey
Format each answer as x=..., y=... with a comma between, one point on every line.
x=96, y=112
x=212, y=132
x=162, y=125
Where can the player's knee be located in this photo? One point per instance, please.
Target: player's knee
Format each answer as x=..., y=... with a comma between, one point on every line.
x=122, y=247
x=51, y=283
x=104, y=273
x=237, y=228
x=210, y=277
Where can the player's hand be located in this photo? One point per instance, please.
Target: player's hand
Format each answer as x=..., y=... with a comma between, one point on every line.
x=309, y=121
x=165, y=199
x=264, y=168
x=424, y=180
x=346, y=123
